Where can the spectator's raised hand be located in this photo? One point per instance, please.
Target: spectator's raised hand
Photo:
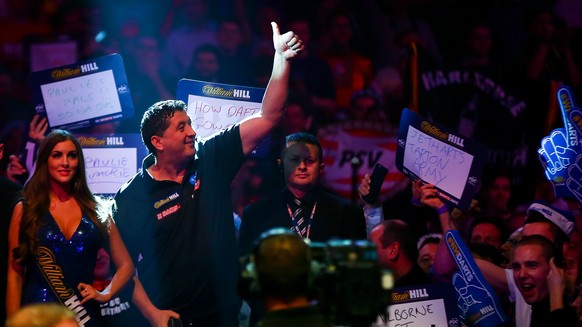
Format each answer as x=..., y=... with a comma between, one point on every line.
x=288, y=44
x=37, y=129
x=15, y=170
x=556, y=280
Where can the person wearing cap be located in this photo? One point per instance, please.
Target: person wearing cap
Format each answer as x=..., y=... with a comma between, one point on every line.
x=553, y=224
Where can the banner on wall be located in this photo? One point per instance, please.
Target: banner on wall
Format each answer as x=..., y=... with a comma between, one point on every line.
x=369, y=143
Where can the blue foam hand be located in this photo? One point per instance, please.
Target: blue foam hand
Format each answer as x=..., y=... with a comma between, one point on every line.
x=556, y=155
x=471, y=298
x=576, y=120
x=574, y=180
x=572, y=116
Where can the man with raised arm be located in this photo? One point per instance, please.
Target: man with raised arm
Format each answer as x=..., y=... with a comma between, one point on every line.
x=175, y=214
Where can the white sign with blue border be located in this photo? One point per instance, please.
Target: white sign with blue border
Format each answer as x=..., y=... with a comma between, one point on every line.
x=82, y=94
x=428, y=151
x=214, y=107
x=111, y=160
x=428, y=305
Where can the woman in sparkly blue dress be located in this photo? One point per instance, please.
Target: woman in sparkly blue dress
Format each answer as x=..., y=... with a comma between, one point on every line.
x=56, y=232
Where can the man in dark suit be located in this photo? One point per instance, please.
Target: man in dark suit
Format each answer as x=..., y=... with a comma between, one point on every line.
x=303, y=205
x=9, y=196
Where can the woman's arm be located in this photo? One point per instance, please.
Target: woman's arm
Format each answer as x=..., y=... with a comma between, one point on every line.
x=15, y=271
x=124, y=269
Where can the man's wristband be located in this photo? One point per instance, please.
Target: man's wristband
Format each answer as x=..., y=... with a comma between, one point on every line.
x=442, y=210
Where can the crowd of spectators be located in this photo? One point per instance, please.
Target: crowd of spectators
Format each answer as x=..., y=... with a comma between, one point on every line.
x=488, y=69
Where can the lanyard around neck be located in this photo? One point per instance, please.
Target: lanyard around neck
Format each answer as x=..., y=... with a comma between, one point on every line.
x=296, y=226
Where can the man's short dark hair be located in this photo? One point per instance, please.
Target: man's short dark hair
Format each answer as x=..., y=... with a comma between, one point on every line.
x=283, y=264
x=547, y=246
x=398, y=231
x=156, y=120
x=302, y=138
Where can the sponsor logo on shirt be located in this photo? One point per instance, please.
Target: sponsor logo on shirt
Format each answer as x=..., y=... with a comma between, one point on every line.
x=160, y=203
x=169, y=211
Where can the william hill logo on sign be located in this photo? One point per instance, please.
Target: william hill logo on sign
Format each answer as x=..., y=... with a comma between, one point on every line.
x=245, y=94
x=409, y=295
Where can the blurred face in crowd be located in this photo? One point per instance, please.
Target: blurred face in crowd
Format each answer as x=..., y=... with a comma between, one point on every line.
x=498, y=194
x=302, y=166
x=295, y=119
x=573, y=249
x=426, y=255
x=301, y=28
x=542, y=26
x=229, y=36
x=530, y=272
x=486, y=233
x=480, y=41
x=206, y=65
x=539, y=228
x=63, y=162
x=362, y=107
x=341, y=30
x=384, y=253
x=195, y=10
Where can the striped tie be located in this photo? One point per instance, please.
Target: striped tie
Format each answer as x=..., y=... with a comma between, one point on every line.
x=298, y=214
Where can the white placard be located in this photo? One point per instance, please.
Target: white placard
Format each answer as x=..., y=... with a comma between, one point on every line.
x=81, y=98
x=437, y=162
x=429, y=313
x=109, y=168
x=211, y=115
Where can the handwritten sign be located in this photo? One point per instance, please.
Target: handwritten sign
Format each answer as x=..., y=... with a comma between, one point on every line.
x=429, y=305
x=429, y=152
x=110, y=161
x=214, y=107
x=80, y=98
x=108, y=169
x=423, y=313
x=211, y=116
x=83, y=94
x=437, y=162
